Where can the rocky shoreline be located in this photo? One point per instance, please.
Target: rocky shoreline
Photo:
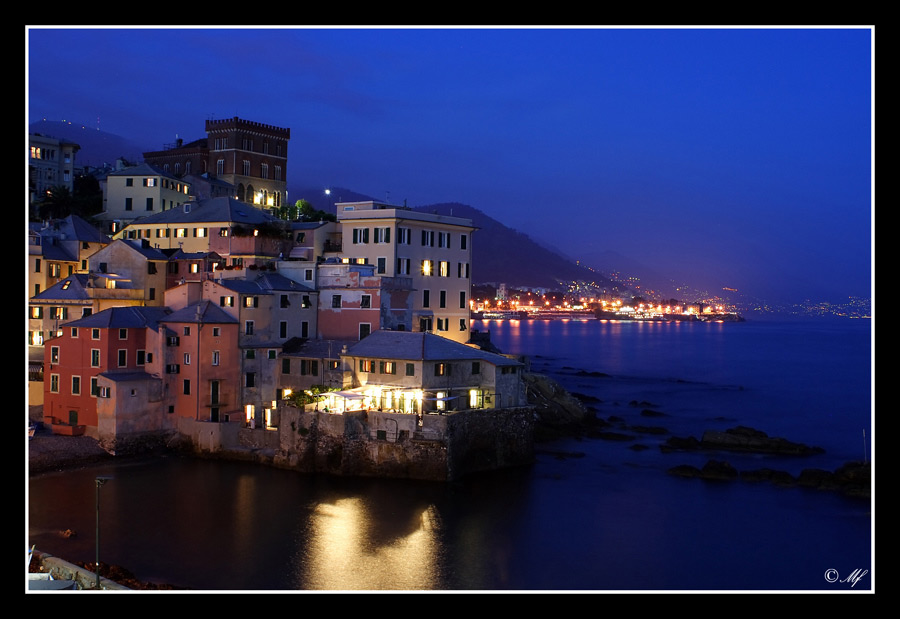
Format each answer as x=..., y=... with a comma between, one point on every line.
x=851, y=479
x=561, y=413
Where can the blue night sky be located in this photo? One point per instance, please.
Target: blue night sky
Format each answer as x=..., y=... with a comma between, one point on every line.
x=724, y=156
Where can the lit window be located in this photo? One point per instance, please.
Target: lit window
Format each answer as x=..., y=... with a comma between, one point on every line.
x=388, y=367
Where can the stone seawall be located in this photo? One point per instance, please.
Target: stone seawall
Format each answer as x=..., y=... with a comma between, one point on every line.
x=374, y=444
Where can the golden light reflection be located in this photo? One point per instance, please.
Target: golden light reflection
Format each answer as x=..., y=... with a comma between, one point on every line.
x=346, y=554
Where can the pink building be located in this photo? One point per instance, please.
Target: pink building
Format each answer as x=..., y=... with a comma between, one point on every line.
x=200, y=363
x=354, y=301
x=113, y=341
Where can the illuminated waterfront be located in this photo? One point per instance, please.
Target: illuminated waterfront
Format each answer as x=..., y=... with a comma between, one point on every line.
x=606, y=518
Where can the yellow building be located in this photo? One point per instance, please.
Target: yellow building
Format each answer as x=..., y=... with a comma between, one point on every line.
x=435, y=251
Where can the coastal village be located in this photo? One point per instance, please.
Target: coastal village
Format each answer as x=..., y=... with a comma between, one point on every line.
x=201, y=312
x=191, y=312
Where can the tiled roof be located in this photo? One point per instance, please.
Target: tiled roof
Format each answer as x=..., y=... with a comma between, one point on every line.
x=203, y=311
x=122, y=318
x=410, y=345
x=315, y=349
x=266, y=283
x=278, y=282
x=142, y=169
x=83, y=231
x=210, y=210
x=52, y=251
x=146, y=250
x=75, y=228
x=71, y=288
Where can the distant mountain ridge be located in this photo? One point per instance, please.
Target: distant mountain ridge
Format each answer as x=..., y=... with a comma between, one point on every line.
x=493, y=248
x=501, y=254
x=96, y=147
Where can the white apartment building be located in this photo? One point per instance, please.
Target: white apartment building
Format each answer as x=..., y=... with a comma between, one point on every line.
x=140, y=191
x=435, y=251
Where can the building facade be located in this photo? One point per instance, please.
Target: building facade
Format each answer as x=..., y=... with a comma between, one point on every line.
x=421, y=373
x=112, y=341
x=252, y=157
x=434, y=251
x=139, y=191
x=199, y=361
x=248, y=156
x=132, y=266
x=51, y=163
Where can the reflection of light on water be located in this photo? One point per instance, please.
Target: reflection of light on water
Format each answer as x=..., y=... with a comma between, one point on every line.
x=243, y=511
x=346, y=554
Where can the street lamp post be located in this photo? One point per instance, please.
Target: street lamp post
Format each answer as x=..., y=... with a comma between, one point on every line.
x=99, y=482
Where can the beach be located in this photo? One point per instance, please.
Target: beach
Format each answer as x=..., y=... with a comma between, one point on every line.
x=49, y=452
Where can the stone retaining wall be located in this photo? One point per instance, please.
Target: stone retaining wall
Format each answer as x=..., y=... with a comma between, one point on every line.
x=442, y=448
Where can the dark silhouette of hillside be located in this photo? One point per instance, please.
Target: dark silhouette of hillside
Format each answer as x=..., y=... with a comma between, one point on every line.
x=493, y=245
x=501, y=254
x=96, y=147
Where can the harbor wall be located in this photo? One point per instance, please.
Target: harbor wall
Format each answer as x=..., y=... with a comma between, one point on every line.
x=380, y=444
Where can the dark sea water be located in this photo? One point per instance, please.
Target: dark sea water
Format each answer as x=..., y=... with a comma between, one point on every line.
x=606, y=518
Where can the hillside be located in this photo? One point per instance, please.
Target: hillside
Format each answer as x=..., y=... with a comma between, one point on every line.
x=494, y=244
x=97, y=147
